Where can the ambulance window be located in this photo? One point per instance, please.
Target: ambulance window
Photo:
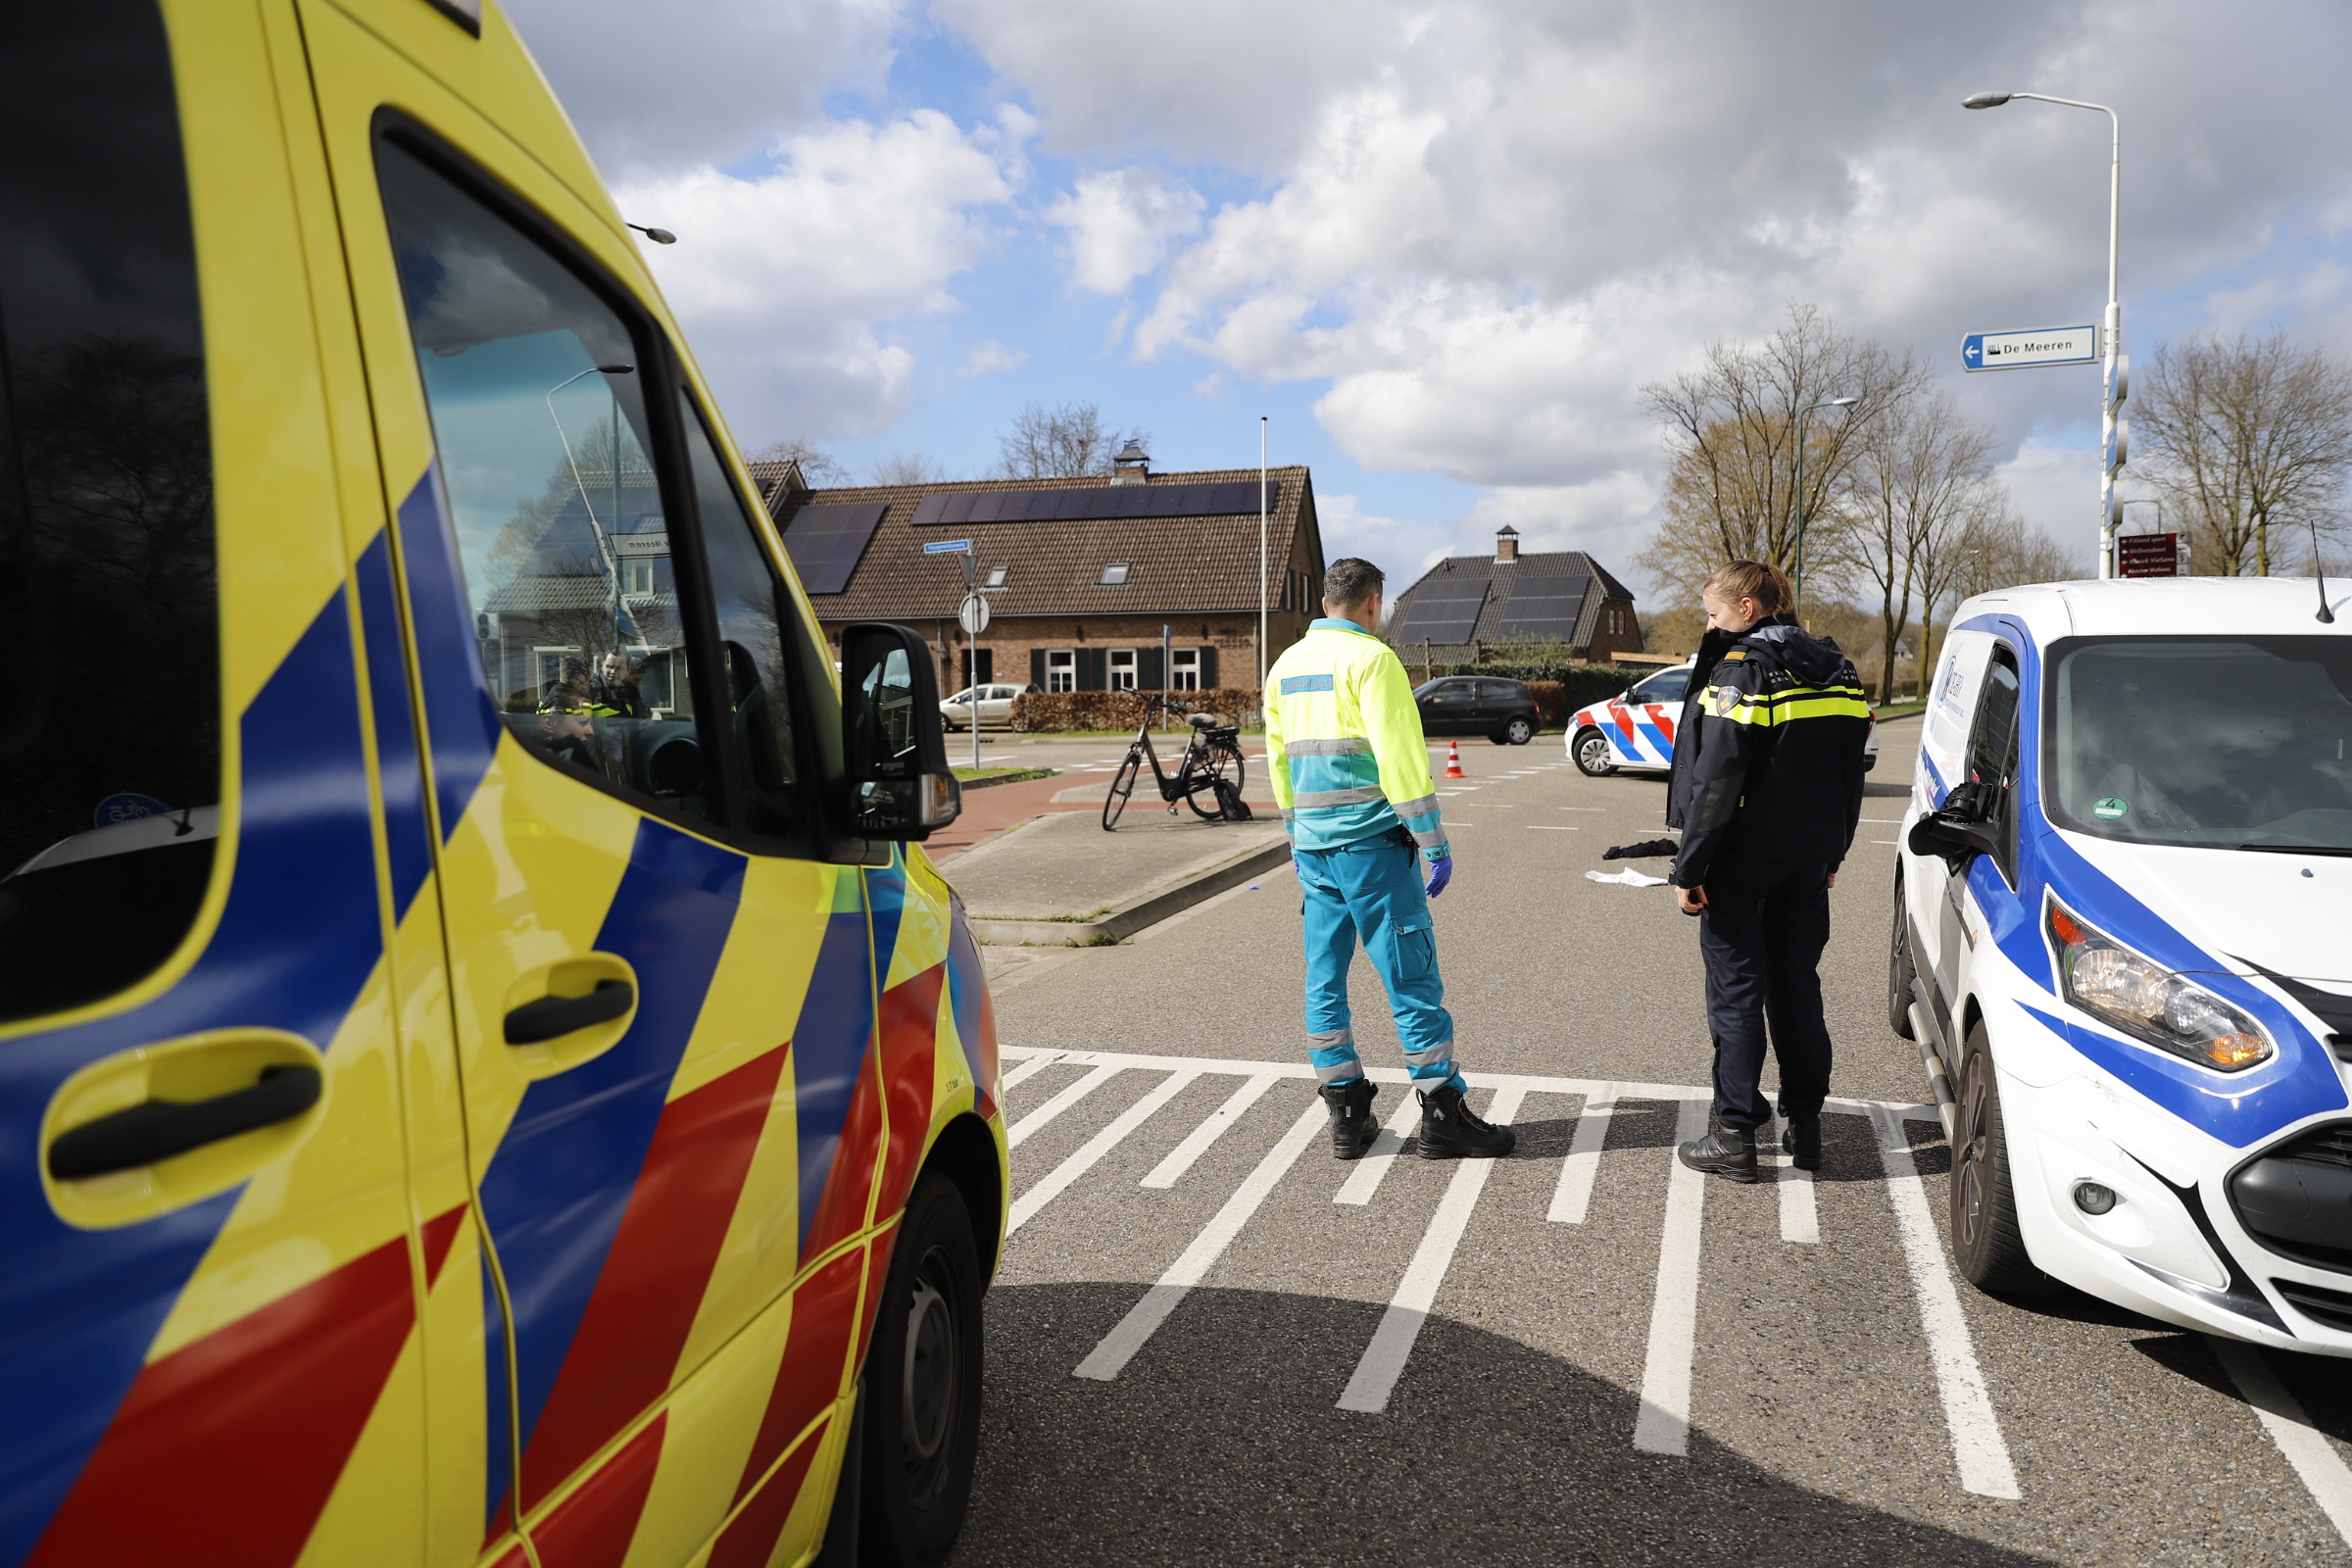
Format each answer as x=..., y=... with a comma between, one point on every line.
x=1993, y=747
x=747, y=597
x=538, y=408
x=110, y=714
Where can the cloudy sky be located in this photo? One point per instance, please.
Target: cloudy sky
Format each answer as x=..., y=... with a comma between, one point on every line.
x=1442, y=247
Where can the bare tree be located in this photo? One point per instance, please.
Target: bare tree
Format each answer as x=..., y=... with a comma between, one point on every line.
x=1993, y=548
x=2245, y=435
x=1067, y=441
x=1731, y=431
x=1920, y=473
x=817, y=467
x=907, y=467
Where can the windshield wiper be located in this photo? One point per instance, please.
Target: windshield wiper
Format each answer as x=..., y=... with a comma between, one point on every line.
x=2300, y=849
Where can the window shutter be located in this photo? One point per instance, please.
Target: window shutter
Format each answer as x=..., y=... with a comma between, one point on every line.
x=1037, y=669
x=1149, y=671
x=1208, y=669
x=1094, y=670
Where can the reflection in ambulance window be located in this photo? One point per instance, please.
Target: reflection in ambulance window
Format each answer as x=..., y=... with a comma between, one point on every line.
x=539, y=424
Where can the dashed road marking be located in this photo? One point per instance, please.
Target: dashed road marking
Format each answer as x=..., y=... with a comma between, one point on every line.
x=1570, y=1198
x=1801, y=1217
x=1383, y=1361
x=1363, y=1181
x=2315, y=1460
x=1663, y=1425
x=1026, y=1071
x=1977, y=1448
x=1057, y=1180
x=1554, y=827
x=1018, y=1132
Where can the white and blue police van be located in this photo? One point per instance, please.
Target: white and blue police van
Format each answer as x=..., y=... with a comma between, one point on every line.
x=2123, y=937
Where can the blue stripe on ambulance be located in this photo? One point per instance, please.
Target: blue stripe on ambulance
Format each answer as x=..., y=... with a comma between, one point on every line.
x=828, y=1045
x=296, y=941
x=551, y=1217
x=408, y=840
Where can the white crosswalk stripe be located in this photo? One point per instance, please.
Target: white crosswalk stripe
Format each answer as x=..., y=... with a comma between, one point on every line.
x=1663, y=1424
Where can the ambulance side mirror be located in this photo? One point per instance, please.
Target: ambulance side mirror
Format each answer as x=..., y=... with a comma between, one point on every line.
x=894, y=742
x=1962, y=828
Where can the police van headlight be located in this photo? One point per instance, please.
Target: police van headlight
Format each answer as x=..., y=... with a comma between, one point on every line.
x=2149, y=1003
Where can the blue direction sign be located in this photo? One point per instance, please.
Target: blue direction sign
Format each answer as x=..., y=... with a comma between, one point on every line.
x=2030, y=349
x=947, y=547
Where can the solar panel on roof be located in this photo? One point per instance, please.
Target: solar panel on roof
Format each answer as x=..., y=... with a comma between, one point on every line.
x=1096, y=503
x=1443, y=611
x=826, y=542
x=1544, y=607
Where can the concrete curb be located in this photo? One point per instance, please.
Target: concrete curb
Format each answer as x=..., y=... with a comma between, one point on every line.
x=1026, y=775
x=1128, y=918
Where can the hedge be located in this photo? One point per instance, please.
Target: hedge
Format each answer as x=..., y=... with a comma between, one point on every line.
x=1068, y=711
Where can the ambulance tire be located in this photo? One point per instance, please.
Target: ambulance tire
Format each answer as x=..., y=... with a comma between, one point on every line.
x=922, y=1379
x=1899, y=972
x=1590, y=750
x=1986, y=1242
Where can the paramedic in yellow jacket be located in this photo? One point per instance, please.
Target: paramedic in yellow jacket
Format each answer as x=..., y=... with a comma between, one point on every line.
x=1350, y=773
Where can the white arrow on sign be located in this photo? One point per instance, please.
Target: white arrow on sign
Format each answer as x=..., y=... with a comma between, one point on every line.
x=973, y=615
x=2039, y=346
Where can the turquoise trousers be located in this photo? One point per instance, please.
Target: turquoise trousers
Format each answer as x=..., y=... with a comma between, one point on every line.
x=1371, y=891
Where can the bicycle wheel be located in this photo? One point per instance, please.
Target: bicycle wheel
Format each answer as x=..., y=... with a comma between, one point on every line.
x=1122, y=785
x=1209, y=772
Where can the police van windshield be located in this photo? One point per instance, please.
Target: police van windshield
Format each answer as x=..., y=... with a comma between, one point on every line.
x=2228, y=742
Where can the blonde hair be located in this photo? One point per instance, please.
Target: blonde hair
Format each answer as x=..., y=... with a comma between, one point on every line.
x=1760, y=580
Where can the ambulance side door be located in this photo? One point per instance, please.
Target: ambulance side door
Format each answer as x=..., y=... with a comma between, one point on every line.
x=663, y=990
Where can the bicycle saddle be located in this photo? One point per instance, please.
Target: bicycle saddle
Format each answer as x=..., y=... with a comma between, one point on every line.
x=1202, y=720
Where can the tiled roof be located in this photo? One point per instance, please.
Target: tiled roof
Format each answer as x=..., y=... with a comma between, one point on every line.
x=1499, y=575
x=1176, y=564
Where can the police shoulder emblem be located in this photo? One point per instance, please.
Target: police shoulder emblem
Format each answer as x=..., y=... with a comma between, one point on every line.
x=1727, y=698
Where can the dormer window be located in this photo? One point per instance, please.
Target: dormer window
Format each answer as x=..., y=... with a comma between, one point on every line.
x=1114, y=576
x=996, y=577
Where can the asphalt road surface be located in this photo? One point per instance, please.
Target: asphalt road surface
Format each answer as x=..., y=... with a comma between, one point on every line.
x=1211, y=1343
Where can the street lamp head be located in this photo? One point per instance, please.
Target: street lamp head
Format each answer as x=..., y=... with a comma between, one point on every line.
x=1844, y=403
x=660, y=236
x=1984, y=100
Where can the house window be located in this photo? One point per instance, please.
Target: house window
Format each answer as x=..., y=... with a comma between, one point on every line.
x=996, y=576
x=1184, y=669
x=1061, y=669
x=1114, y=576
x=1122, y=670
x=639, y=578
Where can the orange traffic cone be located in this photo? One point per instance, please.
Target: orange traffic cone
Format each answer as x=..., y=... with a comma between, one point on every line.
x=1453, y=762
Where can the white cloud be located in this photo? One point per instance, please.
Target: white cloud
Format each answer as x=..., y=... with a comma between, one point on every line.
x=783, y=279
x=993, y=356
x=1121, y=223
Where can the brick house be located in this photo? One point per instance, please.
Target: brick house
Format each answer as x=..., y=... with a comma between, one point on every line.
x=1466, y=606
x=1088, y=580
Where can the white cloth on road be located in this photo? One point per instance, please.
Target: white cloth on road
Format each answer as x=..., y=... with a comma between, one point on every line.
x=1626, y=878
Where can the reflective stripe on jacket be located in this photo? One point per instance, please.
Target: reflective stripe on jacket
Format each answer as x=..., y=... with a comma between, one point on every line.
x=1768, y=758
x=1344, y=742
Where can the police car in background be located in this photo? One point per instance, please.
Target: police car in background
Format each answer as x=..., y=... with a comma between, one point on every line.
x=2123, y=937
x=1633, y=730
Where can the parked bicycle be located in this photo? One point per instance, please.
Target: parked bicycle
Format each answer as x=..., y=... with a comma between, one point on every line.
x=1208, y=775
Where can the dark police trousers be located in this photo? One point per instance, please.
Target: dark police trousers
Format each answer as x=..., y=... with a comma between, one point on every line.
x=1761, y=934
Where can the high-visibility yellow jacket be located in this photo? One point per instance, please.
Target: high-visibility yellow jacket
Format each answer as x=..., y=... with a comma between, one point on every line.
x=1344, y=742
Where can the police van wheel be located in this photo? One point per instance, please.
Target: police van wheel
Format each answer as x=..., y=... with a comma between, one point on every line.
x=1986, y=1240
x=1592, y=753
x=922, y=1380
x=1899, y=965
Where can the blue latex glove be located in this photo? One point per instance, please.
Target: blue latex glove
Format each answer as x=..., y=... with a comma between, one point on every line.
x=1441, y=872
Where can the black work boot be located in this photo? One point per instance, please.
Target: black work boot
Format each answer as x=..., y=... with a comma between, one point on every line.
x=1801, y=1142
x=1724, y=1151
x=1353, y=1128
x=1450, y=1130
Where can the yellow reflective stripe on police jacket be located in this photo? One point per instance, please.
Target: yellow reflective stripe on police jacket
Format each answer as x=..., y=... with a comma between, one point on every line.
x=1786, y=706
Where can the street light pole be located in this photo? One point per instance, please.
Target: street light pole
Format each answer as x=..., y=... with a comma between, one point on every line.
x=1796, y=585
x=2112, y=386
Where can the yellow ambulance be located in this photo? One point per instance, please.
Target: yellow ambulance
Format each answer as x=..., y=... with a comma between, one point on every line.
x=484, y=1076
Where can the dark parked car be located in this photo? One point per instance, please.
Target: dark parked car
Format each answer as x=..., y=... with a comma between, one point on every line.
x=1503, y=711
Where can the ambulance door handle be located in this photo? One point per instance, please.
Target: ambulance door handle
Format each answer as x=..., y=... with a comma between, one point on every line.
x=553, y=1016
x=158, y=1129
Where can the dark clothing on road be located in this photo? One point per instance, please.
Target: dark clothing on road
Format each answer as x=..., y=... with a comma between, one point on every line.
x=1768, y=756
x=1761, y=935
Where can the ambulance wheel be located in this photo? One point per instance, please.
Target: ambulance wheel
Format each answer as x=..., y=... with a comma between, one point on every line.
x=922, y=1377
x=1899, y=972
x=1519, y=732
x=1592, y=753
x=1986, y=1240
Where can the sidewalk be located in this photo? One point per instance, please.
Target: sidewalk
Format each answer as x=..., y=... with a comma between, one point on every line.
x=1058, y=879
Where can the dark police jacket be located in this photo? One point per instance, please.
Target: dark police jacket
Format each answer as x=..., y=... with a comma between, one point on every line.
x=1768, y=756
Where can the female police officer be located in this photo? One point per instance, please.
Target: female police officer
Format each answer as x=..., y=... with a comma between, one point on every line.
x=1767, y=786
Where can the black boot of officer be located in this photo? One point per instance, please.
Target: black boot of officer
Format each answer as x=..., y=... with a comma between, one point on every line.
x=1353, y=1128
x=1452, y=1130
x=1726, y=1151
x=1801, y=1142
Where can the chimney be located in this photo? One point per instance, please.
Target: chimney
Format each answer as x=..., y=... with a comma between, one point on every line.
x=1133, y=466
x=1506, y=545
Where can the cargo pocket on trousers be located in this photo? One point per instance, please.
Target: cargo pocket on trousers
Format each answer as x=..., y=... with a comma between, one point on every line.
x=1416, y=949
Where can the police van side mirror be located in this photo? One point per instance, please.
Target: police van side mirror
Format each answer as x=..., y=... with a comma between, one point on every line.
x=894, y=742
x=1962, y=828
